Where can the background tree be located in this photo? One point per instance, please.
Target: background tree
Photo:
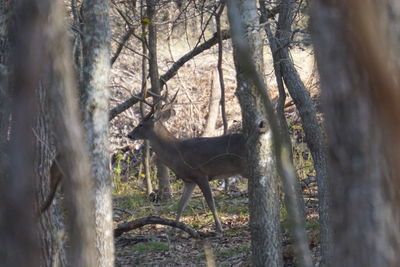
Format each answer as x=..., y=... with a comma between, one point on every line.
x=287, y=74
x=263, y=182
x=162, y=171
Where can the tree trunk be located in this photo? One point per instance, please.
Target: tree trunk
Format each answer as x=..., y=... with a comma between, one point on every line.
x=263, y=198
x=72, y=161
x=359, y=83
x=6, y=12
x=162, y=172
x=146, y=146
x=52, y=220
x=314, y=138
x=147, y=167
x=213, y=107
x=96, y=67
x=221, y=72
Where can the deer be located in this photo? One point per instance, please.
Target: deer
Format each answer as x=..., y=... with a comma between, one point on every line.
x=196, y=161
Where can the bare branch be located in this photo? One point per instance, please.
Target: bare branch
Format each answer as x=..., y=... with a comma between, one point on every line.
x=170, y=73
x=121, y=44
x=131, y=225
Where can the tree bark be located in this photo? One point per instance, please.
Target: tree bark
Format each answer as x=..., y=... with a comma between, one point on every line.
x=17, y=209
x=314, y=137
x=72, y=161
x=221, y=72
x=52, y=219
x=6, y=12
x=164, y=186
x=263, y=198
x=96, y=67
x=213, y=106
x=359, y=84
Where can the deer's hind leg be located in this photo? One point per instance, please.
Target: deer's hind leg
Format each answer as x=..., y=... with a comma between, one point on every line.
x=188, y=189
x=206, y=190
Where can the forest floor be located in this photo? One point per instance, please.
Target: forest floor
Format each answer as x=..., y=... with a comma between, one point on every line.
x=157, y=245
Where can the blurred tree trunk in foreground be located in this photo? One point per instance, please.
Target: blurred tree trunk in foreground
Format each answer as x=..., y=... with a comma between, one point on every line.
x=19, y=243
x=357, y=48
x=43, y=107
x=59, y=124
x=263, y=198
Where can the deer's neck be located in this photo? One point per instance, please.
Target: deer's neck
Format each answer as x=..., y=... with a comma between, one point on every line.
x=162, y=141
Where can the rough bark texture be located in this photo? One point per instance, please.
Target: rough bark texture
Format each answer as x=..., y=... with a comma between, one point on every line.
x=359, y=87
x=264, y=204
x=51, y=225
x=302, y=99
x=96, y=67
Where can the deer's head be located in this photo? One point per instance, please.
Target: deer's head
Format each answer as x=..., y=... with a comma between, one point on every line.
x=142, y=130
x=148, y=125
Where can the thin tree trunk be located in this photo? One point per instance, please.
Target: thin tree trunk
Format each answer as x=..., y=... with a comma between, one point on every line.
x=147, y=167
x=162, y=172
x=146, y=146
x=280, y=107
x=219, y=67
x=263, y=198
x=213, y=106
x=96, y=67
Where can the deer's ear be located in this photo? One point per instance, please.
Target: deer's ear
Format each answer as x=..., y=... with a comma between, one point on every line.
x=166, y=113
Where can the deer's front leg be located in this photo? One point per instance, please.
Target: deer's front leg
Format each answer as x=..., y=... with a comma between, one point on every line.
x=206, y=190
x=188, y=189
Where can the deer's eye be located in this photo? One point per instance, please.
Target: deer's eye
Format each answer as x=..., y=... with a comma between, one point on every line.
x=140, y=125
